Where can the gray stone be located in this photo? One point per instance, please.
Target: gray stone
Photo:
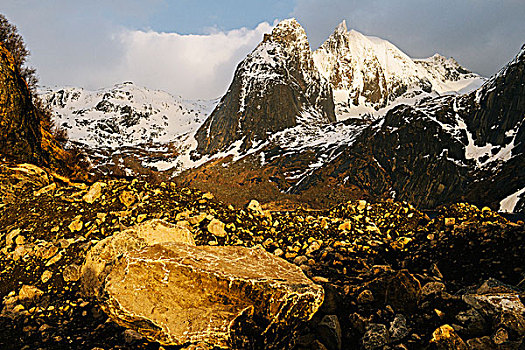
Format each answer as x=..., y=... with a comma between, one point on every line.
x=492, y=304
x=398, y=328
x=329, y=332
x=445, y=338
x=375, y=337
x=71, y=273
x=216, y=228
x=473, y=323
x=94, y=193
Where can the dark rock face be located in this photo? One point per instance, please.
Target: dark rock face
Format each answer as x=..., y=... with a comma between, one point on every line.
x=276, y=87
x=447, y=149
x=20, y=135
x=190, y=294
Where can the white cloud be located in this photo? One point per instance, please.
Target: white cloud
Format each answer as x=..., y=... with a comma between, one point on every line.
x=194, y=66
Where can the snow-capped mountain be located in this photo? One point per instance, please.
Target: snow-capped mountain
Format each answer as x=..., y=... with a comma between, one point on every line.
x=276, y=87
x=127, y=128
x=124, y=115
x=468, y=147
x=275, y=136
x=456, y=147
x=368, y=73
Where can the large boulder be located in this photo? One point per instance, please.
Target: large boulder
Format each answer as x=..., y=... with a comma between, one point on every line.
x=228, y=297
x=107, y=250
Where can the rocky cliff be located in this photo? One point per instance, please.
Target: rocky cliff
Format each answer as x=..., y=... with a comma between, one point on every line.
x=20, y=134
x=276, y=87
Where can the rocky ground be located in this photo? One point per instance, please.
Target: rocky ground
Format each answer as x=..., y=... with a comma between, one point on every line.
x=393, y=278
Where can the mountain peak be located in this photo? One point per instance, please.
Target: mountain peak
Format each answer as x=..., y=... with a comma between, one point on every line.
x=290, y=33
x=341, y=27
x=277, y=86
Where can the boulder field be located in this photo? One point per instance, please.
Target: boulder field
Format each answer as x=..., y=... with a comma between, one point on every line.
x=124, y=264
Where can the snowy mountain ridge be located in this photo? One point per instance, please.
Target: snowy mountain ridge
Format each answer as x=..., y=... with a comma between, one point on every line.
x=368, y=73
x=124, y=115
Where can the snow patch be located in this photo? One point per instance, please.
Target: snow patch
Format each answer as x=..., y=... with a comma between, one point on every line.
x=508, y=204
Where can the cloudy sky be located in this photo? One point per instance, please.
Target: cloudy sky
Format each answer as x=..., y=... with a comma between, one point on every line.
x=191, y=47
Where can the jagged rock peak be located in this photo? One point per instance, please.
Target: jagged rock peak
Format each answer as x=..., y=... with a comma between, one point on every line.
x=341, y=27
x=367, y=71
x=291, y=38
x=277, y=86
x=288, y=31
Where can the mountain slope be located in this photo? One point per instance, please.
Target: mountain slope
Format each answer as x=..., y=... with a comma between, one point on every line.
x=443, y=150
x=469, y=147
x=369, y=73
x=124, y=115
x=276, y=87
x=127, y=129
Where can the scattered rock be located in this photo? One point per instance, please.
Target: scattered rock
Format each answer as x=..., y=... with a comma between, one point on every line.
x=483, y=343
x=127, y=198
x=71, y=273
x=403, y=291
x=208, y=195
x=365, y=297
x=432, y=289
x=131, y=336
x=491, y=304
x=20, y=240
x=94, y=193
x=76, y=224
x=375, y=337
x=398, y=328
x=255, y=207
x=49, y=189
x=313, y=247
x=54, y=259
x=512, y=323
x=473, y=323
x=278, y=252
x=216, y=228
x=500, y=336
x=11, y=236
x=300, y=260
x=195, y=220
x=29, y=294
x=361, y=205
x=46, y=276
x=345, y=226
x=445, y=338
x=450, y=221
